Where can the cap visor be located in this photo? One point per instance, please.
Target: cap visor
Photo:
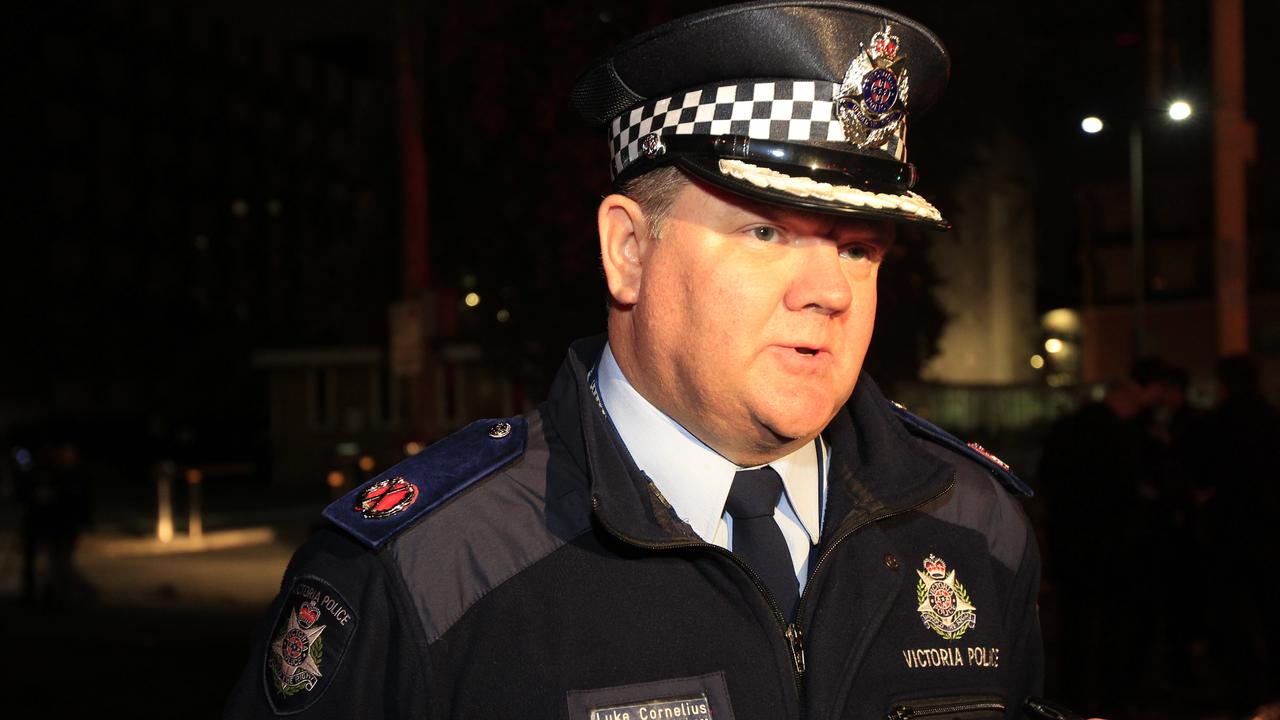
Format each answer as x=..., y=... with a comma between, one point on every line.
x=776, y=186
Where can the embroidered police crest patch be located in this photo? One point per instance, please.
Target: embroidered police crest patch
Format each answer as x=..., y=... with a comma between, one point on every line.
x=298, y=651
x=315, y=626
x=945, y=607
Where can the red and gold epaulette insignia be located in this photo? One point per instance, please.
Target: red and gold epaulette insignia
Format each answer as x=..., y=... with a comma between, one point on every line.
x=984, y=453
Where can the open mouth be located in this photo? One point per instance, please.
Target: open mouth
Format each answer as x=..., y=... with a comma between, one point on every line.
x=807, y=351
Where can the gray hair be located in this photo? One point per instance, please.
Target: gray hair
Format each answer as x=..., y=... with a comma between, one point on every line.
x=655, y=192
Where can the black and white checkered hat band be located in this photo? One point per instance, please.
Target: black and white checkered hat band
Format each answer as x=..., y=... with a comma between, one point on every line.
x=787, y=110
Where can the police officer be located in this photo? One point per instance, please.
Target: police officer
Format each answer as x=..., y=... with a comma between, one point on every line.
x=715, y=514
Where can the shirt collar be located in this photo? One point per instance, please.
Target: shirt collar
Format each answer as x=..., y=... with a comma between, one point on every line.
x=693, y=478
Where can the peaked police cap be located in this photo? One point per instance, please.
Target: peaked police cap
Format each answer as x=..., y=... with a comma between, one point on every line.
x=804, y=104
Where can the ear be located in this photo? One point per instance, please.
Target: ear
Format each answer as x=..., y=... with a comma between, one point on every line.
x=623, y=233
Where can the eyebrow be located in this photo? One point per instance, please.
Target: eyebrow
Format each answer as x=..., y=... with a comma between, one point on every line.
x=783, y=216
x=825, y=225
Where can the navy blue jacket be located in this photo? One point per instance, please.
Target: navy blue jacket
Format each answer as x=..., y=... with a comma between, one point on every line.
x=538, y=574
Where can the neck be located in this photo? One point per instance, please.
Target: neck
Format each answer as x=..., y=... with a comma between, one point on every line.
x=753, y=456
x=743, y=449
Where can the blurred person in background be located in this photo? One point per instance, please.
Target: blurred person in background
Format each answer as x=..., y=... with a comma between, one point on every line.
x=1236, y=482
x=1159, y=533
x=1090, y=474
x=54, y=494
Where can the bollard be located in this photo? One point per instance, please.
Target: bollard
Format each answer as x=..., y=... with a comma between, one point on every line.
x=164, y=501
x=195, y=522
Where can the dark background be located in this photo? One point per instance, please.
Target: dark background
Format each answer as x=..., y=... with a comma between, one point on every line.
x=190, y=185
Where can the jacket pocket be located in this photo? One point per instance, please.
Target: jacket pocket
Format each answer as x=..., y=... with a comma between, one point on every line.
x=954, y=707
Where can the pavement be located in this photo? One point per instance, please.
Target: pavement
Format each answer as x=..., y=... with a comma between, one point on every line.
x=151, y=629
x=163, y=630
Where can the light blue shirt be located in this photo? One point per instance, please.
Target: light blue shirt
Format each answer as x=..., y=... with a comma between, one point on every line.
x=696, y=479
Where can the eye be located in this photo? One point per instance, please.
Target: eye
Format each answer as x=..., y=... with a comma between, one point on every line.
x=766, y=233
x=858, y=252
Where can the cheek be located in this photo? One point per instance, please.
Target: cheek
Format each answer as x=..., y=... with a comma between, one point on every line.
x=670, y=309
x=859, y=322
x=866, y=309
x=864, y=298
x=862, y=292
x=722, y=308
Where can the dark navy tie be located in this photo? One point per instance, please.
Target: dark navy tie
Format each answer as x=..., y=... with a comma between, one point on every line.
x=757, y=539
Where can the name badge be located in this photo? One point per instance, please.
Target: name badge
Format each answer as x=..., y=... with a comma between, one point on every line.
x=695, y=707
x=693, y=698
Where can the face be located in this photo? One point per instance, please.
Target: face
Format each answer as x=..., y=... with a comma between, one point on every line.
x=752, y=321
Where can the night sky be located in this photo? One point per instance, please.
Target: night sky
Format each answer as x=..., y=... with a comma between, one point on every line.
x=197, y=183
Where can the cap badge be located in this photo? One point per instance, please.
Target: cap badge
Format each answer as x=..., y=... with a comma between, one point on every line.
x=944, y=607
x=871, y=102
x=386, y=498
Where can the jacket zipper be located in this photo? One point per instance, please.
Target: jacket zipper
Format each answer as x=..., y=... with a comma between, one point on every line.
x=902, y=712
x=822, y=559
x=791, y=632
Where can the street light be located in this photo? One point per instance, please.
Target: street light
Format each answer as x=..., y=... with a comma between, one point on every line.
x=1178, y=111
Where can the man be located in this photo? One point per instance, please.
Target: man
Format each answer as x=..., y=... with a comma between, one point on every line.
x=713, y=514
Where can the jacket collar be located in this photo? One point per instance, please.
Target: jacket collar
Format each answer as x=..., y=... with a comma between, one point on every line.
x=878, y=468
x=876, y=465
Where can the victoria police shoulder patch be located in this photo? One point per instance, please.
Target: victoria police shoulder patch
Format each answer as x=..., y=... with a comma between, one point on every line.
x=311, y=635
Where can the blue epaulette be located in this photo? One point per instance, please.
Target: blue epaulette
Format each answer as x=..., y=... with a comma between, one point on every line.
x=998, y=467
x=377, y=510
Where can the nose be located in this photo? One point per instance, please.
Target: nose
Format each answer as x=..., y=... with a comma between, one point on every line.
x=819, y=283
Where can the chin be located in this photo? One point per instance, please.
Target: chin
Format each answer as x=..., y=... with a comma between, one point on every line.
x=799, y=412
x=799, y=423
